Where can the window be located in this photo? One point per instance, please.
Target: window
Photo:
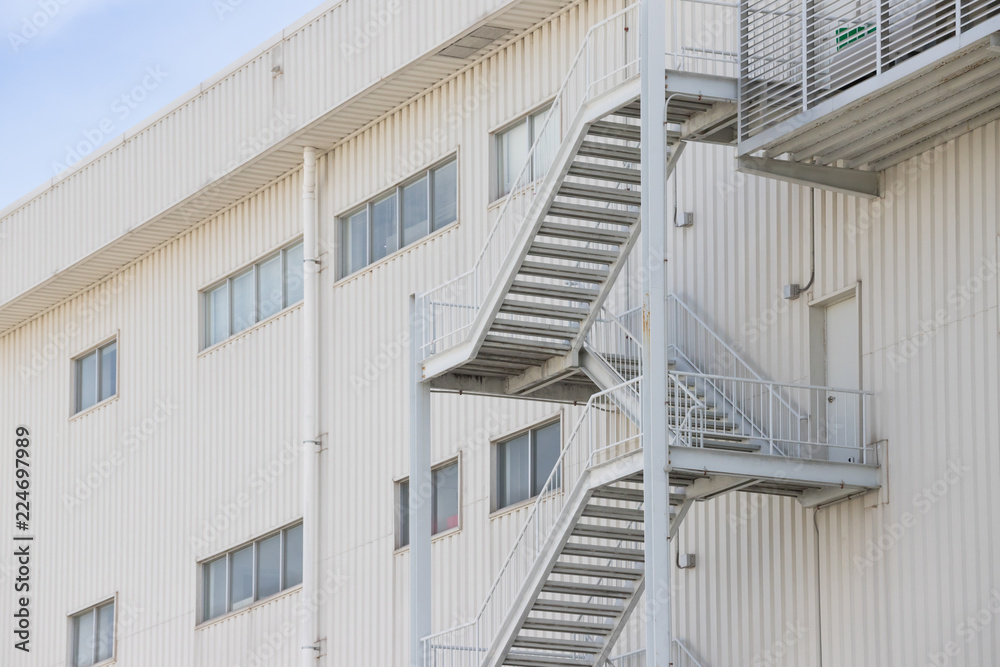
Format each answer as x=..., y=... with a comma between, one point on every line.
x=524, y=463
x=93, y=635
x=399, y=218
x=513, y=145
x=253, y=572
x=253, y=294
x=96, y=376
x=444, y=503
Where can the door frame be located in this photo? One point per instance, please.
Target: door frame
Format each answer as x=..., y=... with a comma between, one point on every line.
x=817, y=333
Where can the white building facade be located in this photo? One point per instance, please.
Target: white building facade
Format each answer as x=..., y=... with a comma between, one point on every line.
x=231, y=338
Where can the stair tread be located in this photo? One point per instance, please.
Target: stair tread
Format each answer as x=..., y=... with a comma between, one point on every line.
x=614, y=130
x=597, y=571
x=583, y=233
x=553, y=644
x=568, y=626
x=587, y=590
x=594, y=551
x=572, y=252
x=605, y=610
x=592, y=213
x=549, y=291
x=595, y=531
x=540, y=329
x=562, y=271
x=534, y=660
x=609, y=151
x=613, y=513
x=600, y=193
x=602, y=172
x=548, y=310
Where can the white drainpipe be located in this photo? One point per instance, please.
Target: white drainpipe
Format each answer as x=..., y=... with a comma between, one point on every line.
x=309, y=630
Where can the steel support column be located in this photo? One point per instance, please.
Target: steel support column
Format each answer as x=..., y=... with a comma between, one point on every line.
x=420, y=495
x=654, y=356
x=309, y=617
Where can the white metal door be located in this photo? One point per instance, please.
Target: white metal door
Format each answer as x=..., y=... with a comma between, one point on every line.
x=843, y=364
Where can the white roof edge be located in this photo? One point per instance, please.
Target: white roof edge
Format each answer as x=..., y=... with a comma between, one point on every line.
x=173, y=106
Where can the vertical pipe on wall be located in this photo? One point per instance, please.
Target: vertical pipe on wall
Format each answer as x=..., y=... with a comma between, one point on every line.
x=656, y=486
x=309, y=629
x=420, y=504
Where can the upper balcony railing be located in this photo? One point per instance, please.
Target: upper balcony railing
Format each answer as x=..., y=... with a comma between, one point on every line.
x=702, y=36
x=796, y=54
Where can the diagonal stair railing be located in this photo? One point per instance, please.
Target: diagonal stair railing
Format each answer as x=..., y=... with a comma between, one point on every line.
x=608, y=57
x=602, y=433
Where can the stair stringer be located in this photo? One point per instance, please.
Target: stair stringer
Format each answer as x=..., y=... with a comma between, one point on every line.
x=591, y=480
x=589, y=114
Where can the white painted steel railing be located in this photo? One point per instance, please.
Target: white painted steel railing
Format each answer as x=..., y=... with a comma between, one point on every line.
x=703, y=36
x=608, y=58
x=836, y=427
x=695, y=346
x=617, y=342
x=795, y=54
x=602, y=433
x=681, y=656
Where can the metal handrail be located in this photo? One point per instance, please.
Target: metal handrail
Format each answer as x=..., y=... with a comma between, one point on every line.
x=495, y=250
x=586, y=450
x=756, y=404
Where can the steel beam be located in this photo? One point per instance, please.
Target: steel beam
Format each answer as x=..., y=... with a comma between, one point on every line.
x=656, y=486
x=865, y=184
x=420, y=505
x=481, y=385
x=775, y=469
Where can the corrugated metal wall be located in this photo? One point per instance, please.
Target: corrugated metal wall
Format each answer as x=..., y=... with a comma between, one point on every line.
x=898, y=580
x=213, y=462
x=218, y=465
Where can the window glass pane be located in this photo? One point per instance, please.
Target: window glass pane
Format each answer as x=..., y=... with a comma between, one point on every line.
x=105, y=631
x=355, y=239
x=269, y=287
x=218, y=314
x=403, y=534
x=268, y=566
x=86, y=381
x=383, y=227
x=244, y=313
x=513, y=153
x=215, y=588
x=241, y=578
x=83, y=639
x=545, y=456
x=293, y=556
x=548, y=143
x=514, y=482
x=445, y=195
x=293, y=275
x=415, y=213
x=109, y=364
x=445, y=498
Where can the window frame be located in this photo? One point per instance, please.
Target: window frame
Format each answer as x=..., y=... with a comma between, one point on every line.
x=529, y=118
x=96, y=350
x=72, y=635
x=495, y=507
x=344, y=269
x=283, y=588
x=398, y=506
x=205, y=296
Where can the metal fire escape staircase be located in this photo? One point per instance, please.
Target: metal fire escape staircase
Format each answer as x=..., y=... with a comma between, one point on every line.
x=515, y=323
x=530, y=319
